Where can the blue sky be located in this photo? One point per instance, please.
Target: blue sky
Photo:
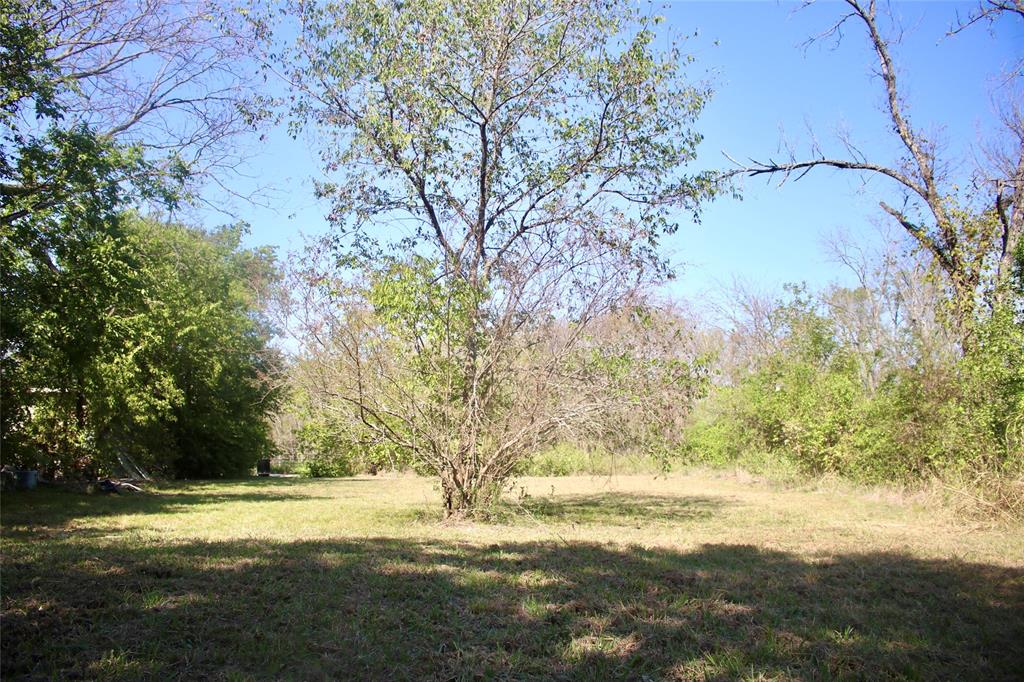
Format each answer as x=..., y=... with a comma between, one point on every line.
x=768, y=88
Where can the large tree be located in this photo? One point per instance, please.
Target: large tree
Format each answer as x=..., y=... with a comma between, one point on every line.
x=146, y=347
x=971, y=236
x=530, y=154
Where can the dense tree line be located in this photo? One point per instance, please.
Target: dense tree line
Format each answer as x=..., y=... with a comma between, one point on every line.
x=868, y=383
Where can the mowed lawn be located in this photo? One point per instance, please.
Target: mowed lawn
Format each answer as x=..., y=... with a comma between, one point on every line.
x=626, y=577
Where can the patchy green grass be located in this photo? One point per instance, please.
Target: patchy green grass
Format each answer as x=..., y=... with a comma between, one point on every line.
x=686, y=577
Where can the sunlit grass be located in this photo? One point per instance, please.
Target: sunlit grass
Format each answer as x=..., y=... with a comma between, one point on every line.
x=686, y=577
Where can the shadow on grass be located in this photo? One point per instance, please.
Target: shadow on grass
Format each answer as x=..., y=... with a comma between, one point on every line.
x=615, y=508
x=263, y=482
x=52, y=508
x=390, y=609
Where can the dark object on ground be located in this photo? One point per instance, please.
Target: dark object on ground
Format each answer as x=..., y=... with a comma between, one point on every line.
x=109, y=486
x=27, y=478
x=263, y=467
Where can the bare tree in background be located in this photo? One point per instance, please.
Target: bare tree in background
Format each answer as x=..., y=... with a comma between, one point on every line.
x=173, y=77
x=890, y=319
x=971, y=239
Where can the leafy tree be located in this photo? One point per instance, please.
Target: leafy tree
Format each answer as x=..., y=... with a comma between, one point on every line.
x=534, y=153
x=61, y=189
x=203, y=335
x=145, y=349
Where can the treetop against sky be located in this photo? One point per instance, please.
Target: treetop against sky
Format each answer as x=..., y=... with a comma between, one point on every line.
x=772, y=93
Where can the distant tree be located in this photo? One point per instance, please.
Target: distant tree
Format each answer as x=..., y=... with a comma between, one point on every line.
x=531, y=154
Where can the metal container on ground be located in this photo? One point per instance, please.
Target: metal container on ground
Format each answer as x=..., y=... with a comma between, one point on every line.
x=27, y=478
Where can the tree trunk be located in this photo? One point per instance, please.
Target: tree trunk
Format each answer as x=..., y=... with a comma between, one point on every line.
x=464, y=494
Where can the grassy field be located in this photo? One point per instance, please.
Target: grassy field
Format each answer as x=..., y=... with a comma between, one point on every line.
x=686, y=577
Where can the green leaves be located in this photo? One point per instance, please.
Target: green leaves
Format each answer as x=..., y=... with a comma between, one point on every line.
x=25, y=71
x=417, y=303
x=807, y=405
x=142, y=340
x=488, y=120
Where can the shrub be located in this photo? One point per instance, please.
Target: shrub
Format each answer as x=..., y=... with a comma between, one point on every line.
x=325, y=466
x=806, y=406
x=567, y=459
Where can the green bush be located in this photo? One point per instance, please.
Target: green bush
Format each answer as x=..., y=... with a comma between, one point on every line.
x=807, y=408
x=329, y=449
x=324, y=466
x=567, y=459
x=717, y=437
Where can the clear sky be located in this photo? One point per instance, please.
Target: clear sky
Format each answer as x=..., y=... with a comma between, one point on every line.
x=768, y=88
